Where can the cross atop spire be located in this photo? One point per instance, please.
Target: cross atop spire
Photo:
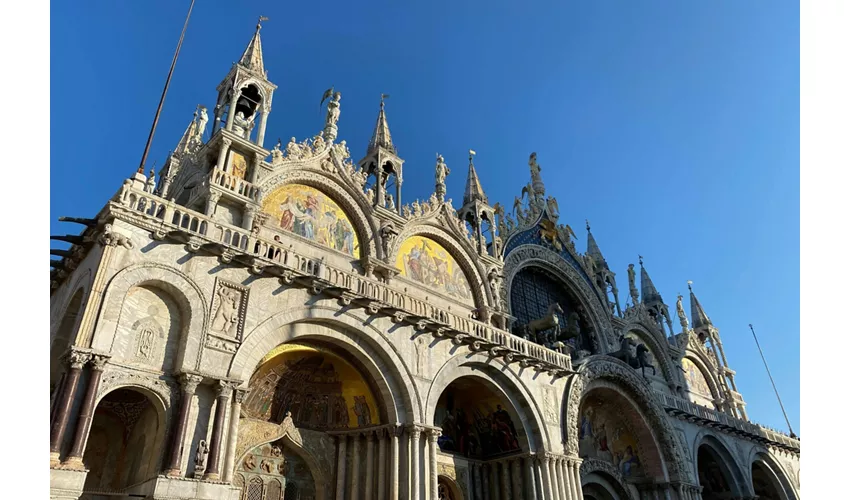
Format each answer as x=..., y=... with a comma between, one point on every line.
x=252, y=58
x=698, y=316
x=381, y=136
x=474, y=191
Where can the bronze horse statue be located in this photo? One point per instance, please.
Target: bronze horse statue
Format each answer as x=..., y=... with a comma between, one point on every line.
x=548, y=321
x=633, y=354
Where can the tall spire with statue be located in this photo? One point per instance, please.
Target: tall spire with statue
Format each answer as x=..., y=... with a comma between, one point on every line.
x=478, y=213
x=603, y=275
x=652, y=300
x=382, y=163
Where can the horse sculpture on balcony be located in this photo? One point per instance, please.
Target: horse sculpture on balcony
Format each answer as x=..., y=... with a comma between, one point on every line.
x=549, y=321
x=633, y=354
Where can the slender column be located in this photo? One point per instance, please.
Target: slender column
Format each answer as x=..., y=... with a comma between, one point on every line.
x=562, y=482
x=232, y=434
x=382, y=465
x=544, y=478
x=485, y=476
x=476, y=482
x=494, y=481
x=370, y=463
x=569, y=478
x=189, y=383
x=81, y=435
x=531, y=484
x=354, y=484
x=214, y=463
x=394, y=465
x=57, y=433
x=222, y=153
x=340, y=467
x=516, y=478
x=577, y=476
x=231, y=112
x=433, y=434
x=506, y=479
x=261, y=132
x=414, y=463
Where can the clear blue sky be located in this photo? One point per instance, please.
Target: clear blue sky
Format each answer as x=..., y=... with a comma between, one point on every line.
x=672, y=126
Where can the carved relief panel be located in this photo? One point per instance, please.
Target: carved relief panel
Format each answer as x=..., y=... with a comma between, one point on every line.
x=229, y=304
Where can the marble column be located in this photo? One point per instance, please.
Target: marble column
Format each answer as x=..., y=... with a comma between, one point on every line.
x=261, y=132
x=394, y=462
x=476, y=482
x=232, y=434
x=563, y=482
x=531, y=480
x=577, y=478
x=231, y=111
x=516, y=478
x=340, y=467
x=354, y=484
x=222, y=153
x=76, y=361
x=544, y=478
x=370, y=463
x=81, y=434
x=506, y=479
x=485, y=476
x=214, y=458
x=553, y=478
x=414, y=464
x=188, y=383
x=433, y=434
x=494, y=481
x=382, y=465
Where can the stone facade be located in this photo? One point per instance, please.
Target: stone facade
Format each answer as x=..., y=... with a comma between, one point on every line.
x=438, y=353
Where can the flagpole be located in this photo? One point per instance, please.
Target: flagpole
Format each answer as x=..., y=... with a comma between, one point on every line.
x=772, y=383
x=165, y=90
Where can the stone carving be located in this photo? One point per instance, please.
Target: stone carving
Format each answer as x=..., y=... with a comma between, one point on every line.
x=421, y=353
x=202, y=123
x=333, y=111
x=228, y=309
x=112, y=238
x=550, y=405
x=249, y=463
x=552, y=205
x=680, y=311
x=148, y=330
x=440, y=173
x=201, y=457
x=633, y=291
x=115, y=378
x=390, y=203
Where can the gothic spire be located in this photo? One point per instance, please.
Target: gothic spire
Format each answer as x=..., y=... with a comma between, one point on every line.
x=698, y=316
x=593, y=249
x=648, y=292
x=474, y=191
x=381, y=136
x=252, y=58
x=188, y=136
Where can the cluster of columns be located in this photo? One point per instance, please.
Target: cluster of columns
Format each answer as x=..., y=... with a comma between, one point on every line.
x=376, y=477
x=78, y=360
x=687, y=491
x=545, y=476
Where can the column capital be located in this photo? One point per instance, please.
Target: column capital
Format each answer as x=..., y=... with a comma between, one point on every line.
x=370, y=436
x=78, y=359
x=189, y=382
x=98, y=361
x=223, y=389
x=433, y=434
x=258, y=158
x=239, y=395
x=225, y=142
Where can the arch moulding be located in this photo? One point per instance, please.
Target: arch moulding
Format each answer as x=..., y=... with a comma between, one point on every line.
x=732, y=463
x=606, y=371
x=349, y=332
x=702, y=365
x=658, y=349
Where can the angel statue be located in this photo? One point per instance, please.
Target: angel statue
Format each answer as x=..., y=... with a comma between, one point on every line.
x=440, y=173
x=680, y=311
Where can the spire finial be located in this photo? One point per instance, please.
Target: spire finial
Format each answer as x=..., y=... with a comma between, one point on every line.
x=689, y=285
x=471, y=155
x=587, y=223
x=640, y=260
x=260, y=22
x=383, y=96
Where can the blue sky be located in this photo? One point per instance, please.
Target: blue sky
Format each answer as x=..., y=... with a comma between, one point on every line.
x=672, y=126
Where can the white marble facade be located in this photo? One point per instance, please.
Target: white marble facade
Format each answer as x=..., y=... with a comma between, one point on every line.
x=176, y=292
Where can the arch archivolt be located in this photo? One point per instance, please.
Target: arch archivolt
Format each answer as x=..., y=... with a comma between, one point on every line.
x=738, y=480
x=350, y=332
x=609, y=373
x=363, y=225
x=608, y=471
x=762, y=454
x=472, y=269
x=505, y=382
x=534, y=255
x=186, y=293
x=82, y=282
x=158, y=390
x=657, y=348
x=702, y=365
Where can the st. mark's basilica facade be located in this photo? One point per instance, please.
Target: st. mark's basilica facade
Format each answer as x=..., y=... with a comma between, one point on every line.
x=266, y=324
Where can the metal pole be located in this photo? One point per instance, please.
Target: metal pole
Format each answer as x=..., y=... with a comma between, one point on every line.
x=165, y=90
x=772, y=383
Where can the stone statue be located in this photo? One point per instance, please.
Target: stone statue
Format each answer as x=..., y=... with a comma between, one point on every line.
x=240, y=124
x=536, y=181
x=390, y=203
x=226, y=316
x=552, y=203
x=633, y=291
x=150, y=185
x=293, y=151
x=333, y=110
x=202, y=124
x=680, y=310
x=520, y=214
x=440, y=173
x=201, y=456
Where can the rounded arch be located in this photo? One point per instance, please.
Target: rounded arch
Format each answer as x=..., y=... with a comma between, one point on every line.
x=185, y=292
x=602, y=481
x=659, y=350
x=731, y=467
x=468, y=262
x=702, y=365
x=64, y=337
x=775, y=474
x=81, y=282
x=606, y=372
x=345, y=330
x=448, y=489
x=343, y=196
x=526, y=256
x=126, y=441
x=503, y=381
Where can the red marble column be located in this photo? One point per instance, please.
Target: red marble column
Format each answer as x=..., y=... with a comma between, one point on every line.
x=75, y=458
x=189, y=383
x=63, y=409
x=213, y=472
